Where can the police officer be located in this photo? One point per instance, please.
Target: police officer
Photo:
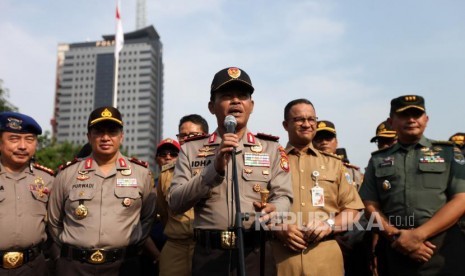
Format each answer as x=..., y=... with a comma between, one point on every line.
x=325, y=203
x=415, y=191
x=326, y=140
x=459, y=140
x=176, y=256
x=24, y=193
x=203, y=180
x=102, y=207
x=385, y=135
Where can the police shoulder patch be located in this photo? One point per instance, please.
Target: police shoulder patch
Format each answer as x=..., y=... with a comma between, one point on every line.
x=167, y=166
x=139, y=162
x=196, y=137
x=43, y=168
x=267, y=137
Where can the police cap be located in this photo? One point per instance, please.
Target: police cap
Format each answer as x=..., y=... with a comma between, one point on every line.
x=458, y=138
x=231, y=77
x=105, y=113
x=406, y=102
x=326, y=126
x=18, y=123
x=384, y=130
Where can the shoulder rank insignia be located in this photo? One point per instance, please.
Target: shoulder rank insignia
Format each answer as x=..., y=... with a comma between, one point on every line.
x=167, y=166
x=43, y=168
x=348, y=165
x=268, y=137
x=139, y=162
x=330, y=154
x=446, y=143
x=196, y=137
x=68, y=164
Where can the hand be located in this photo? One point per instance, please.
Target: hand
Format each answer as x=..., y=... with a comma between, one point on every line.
x=316, y=230
x=423, y=253
x=267, y=211
x=230, y=141
x=408, y=241
x=292, y=237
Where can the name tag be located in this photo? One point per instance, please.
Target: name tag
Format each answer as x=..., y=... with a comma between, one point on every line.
x=126, y=182
x=256, y=159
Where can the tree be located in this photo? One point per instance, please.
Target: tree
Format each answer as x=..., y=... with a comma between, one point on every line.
x=4, y=104
x=52, y=154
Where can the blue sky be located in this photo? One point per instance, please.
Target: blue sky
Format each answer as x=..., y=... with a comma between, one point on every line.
x=350, y=58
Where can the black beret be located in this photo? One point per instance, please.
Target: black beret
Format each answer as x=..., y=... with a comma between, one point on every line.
x=18, y=123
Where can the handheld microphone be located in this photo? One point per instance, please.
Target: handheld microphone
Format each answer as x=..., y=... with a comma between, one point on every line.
x=230, y=124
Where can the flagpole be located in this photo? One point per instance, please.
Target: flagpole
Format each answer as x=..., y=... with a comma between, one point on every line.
x=119, y=41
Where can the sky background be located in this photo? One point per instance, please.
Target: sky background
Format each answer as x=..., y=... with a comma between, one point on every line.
x=350, y=58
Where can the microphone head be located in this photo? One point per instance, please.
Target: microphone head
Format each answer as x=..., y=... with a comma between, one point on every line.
x=230, y=123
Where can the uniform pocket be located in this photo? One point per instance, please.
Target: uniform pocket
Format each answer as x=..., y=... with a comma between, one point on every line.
x=433, y=176
x=40, y=196
x=127, y=192
x=81, y=194
x=254, y=180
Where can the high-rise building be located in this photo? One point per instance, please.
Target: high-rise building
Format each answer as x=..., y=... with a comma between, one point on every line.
x=84, y=82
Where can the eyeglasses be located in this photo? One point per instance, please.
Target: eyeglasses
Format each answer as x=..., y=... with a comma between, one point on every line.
x=166, y=153
x=301, y=120
x=182, y=136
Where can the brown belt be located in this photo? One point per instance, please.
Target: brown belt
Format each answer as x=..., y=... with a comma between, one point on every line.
x=98, y=256
x=14, y=259
x=218, y=239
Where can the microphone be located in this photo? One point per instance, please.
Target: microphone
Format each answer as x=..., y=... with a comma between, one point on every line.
x=230, y=124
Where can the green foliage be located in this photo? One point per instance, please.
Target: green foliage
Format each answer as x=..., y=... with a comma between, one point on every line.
x=52, y=154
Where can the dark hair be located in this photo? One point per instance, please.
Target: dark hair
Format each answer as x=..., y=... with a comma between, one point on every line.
x=196, y=119
x=292, y=103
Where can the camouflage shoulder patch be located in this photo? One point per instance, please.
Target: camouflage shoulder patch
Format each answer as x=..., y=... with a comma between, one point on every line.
x=43, y=168
x=197, y=137
x=139, y=162
x=267, y=137
x=167, y=166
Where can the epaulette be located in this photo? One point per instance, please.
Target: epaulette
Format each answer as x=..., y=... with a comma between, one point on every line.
x=67, y=164
x=197, y=137
x=380, y=150
x=268, y=137
x=167, y=166
x=43, y=168
x=348, y=165
x=139, y=162
x=330, y=154
x=445, y=143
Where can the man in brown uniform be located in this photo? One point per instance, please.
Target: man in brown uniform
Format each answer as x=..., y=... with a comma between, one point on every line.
x=176, y=256
x=102, y=207
x=24, y=191
x=325, y=203
x=203, y=180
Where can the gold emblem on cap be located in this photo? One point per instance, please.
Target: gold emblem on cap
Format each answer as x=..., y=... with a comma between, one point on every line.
x=106, y=113
x=386, y=185
x=126, y=172
x=127, y=202
x=234, y=72
x=321, y=124
x=14, y=123
x=81, y=211
x=256, y=187
x=410, y=98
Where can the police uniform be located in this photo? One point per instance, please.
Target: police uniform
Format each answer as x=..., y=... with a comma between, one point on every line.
x=411, y=183
x=176, y=255
x=261, y=164
x=101, y=220
x=325, y=257
x=23, y=207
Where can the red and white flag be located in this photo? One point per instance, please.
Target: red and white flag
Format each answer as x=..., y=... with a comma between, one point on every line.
x=119, y=37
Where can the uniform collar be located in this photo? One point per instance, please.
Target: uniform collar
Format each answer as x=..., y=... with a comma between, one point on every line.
x=247, y=140
x=27, y=169
x=424, y=142
x=89, y=164
x=290, y=149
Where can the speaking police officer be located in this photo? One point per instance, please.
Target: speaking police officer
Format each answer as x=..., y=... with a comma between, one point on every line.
x=102, y=207
x=24, y=193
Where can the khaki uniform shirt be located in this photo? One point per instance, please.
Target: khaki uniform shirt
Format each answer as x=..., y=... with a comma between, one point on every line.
x=412, y=184
x=23, y=207
x=175, y=226
x=120, y=205
x=261, y=164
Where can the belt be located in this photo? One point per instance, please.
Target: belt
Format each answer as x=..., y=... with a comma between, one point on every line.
x=98, y=256
x=15, y=259
x=227, y=239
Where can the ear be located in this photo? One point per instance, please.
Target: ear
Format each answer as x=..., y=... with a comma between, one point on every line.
x=253, y=104
x=285, y=125
x=210, y=107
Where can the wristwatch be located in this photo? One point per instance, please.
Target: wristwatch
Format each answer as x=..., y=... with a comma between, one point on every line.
x=331, y=224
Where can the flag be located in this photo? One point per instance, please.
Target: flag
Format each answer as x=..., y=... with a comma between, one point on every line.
x=119, y=37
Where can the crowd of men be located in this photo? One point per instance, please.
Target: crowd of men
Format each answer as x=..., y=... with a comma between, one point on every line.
x=233, y=201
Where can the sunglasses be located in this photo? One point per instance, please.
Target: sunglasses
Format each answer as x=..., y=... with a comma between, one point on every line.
x=166, y=153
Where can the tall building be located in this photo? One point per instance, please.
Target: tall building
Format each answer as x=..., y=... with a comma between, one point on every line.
x=84, y=82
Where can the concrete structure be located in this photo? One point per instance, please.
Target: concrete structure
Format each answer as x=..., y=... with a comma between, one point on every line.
x=84, y=82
